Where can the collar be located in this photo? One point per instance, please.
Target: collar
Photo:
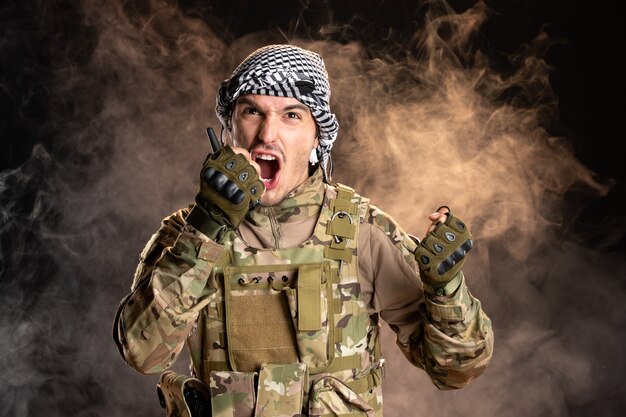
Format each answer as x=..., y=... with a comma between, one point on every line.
x=302, y=202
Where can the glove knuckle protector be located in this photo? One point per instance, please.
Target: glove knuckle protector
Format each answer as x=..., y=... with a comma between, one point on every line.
x=441, y=254
x=229, y=183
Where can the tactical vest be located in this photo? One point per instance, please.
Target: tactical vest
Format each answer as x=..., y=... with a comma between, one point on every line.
x=300, y=305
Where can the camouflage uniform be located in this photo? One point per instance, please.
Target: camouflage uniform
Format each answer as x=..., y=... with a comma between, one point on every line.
x=276, y=292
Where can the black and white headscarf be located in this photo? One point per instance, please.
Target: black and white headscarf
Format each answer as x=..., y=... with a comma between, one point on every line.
x=285, y=71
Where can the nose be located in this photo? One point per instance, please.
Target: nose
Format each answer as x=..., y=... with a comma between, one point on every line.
x=268, y=130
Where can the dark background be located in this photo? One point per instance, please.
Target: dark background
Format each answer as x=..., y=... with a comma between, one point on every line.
x=587, y=78
x=57, y=287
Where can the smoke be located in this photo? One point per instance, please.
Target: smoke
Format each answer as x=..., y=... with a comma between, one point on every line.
x=115, y=97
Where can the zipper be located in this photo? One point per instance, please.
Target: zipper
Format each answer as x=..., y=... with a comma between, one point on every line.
x=275, y=228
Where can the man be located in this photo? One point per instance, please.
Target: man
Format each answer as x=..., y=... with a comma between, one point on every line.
x=276, y=279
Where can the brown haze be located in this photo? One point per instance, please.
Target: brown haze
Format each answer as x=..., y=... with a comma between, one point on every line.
x=440, y=126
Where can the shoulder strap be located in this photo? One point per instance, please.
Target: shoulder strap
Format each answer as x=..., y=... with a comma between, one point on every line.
x=342, y=225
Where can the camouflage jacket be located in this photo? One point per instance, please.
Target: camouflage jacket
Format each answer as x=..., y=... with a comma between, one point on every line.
x=175, y=295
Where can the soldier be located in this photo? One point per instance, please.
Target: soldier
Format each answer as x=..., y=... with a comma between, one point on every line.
x=277, y=278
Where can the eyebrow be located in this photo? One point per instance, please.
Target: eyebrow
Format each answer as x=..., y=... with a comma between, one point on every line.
x=295, y=106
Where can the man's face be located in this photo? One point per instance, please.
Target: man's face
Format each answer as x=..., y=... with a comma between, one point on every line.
x=279, y=133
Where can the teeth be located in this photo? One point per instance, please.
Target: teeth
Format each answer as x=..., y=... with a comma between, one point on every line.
x=265, y=157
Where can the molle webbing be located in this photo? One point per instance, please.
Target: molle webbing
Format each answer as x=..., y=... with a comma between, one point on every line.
x=342, y=226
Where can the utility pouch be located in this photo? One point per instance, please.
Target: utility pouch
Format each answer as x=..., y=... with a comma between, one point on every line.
x=183, y=396
x=331, y=397
x=232, y=393
x=311, y=308
x=281, y=390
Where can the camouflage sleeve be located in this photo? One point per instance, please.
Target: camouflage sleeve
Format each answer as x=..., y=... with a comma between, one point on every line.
x=450, y=337
x=168, y=292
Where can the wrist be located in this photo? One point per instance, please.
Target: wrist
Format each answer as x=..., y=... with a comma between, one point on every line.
x=203, y=221
x=442, y=289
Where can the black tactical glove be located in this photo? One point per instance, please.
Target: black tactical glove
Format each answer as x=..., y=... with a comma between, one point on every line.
x=229, y=188
x=442, y=253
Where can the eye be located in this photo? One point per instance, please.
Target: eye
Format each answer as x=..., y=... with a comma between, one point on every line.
x=250, y=110
x=293, y=115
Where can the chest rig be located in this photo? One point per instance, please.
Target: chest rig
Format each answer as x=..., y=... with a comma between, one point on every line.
x=297, y=305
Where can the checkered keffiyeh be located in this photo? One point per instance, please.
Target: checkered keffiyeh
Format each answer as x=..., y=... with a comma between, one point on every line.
x=285, y=71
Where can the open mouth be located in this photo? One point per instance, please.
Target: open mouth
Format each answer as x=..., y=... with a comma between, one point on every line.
x=270, y=168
